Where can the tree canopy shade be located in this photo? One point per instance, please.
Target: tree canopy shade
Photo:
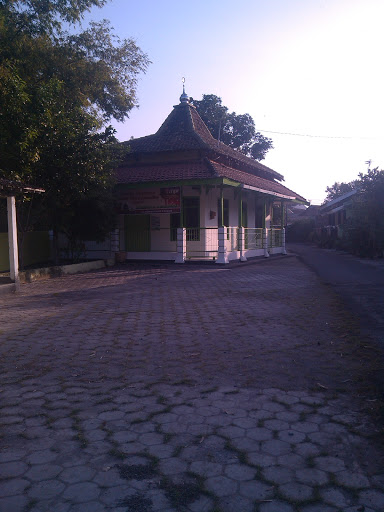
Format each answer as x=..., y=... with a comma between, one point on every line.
x=338, y=189
x=363, y=230
x=58, y=91
x=235, y=130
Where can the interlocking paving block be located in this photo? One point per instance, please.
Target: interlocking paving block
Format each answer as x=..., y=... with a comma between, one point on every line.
x=276, y=424
x=81, y=492
x=276, y=506
x=172, y=466
x=278, y=474
x=43, y=472
x=206, y=468
x=245, y=422
x=112, y=497
x=291, y=436
x=260, y=414
x=221, y=486
x=46, y=489
x=273, y=407
x=319, y=507
x=110, y=477
x=256, y=490
x=292, y=461
x=308, y=449
x=13, y=487
x=261, y=459
x=336, y=497
x=203, y=504
x=288, y=416
x=259, y=434
x=91, y=506
x=235, y=504
x=275, y=447
x=231, y=432
x=12, y=469
x=352, y=480
x=378, y=481
x=331, y=464
x=151, y=438
x=239, y=472
x=8, y=455
x=312, y=476
x=305, y=426
x=41, y=457
x=161, y=451
x=111, y=415
x=296, y=492
x=14, y=503
x=372, y=498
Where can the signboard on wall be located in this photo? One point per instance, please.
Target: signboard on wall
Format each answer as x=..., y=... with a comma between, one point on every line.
x=150, y=200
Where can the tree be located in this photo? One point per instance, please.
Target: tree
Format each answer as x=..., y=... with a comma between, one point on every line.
x=363, y=231
x=338, y=189
x=58, y=92
x=367, y=214
x=236, y=131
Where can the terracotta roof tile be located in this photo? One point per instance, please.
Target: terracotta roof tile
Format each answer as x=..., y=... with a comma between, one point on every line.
x=185, y=130
x=205, y=169
x=164, y=172
x=253, y=181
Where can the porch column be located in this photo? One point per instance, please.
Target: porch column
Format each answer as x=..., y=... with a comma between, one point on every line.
x=283, y=249
x=241, y=244
x=12, y=240
x=181, y=245
x=222, y=256
x=265, y=232
x=265, y=242
x=115, y=241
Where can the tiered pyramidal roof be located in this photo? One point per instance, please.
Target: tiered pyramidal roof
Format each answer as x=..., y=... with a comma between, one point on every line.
x=184, y=149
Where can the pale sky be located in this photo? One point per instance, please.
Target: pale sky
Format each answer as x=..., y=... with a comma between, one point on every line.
x=309, y=67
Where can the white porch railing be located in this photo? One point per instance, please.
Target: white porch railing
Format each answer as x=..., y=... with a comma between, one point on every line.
x=253, y=238
x=275, y=237
x=219, y=244
x=202, y=243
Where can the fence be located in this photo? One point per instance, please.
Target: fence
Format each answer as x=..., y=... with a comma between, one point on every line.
x=202, y=243
x=253, y=238
x=275, y=237
x=151, y=240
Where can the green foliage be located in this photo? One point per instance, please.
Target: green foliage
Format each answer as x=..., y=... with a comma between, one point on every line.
x=301, y=231
x=365, y=227
x=58, y=91
x=339, y=189
x=235, y=130
x=363, y=231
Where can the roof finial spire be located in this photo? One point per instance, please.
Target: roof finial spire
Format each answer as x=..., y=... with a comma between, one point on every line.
x=184, y=98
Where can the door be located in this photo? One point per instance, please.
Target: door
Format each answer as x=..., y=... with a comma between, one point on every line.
x=137, y=233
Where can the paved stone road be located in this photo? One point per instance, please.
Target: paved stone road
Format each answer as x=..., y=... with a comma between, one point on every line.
x=166, y=388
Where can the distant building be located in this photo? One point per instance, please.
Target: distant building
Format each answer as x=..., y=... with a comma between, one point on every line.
x=183, y=195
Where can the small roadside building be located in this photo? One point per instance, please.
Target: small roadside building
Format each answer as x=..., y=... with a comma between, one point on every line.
x=183, y=195
x=10, y=189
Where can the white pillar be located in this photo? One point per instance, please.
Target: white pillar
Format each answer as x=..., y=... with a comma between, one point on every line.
x=242, y=244
x=115, y=241
x=284, y=251
x=181, y=245
x=265, y=242
x=12, y=239
x=222, y=256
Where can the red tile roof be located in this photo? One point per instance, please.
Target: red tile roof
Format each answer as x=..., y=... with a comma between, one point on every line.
x=204, y=169
x=185, y=130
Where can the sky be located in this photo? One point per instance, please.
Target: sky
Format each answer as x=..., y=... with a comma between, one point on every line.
x=309, y=72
